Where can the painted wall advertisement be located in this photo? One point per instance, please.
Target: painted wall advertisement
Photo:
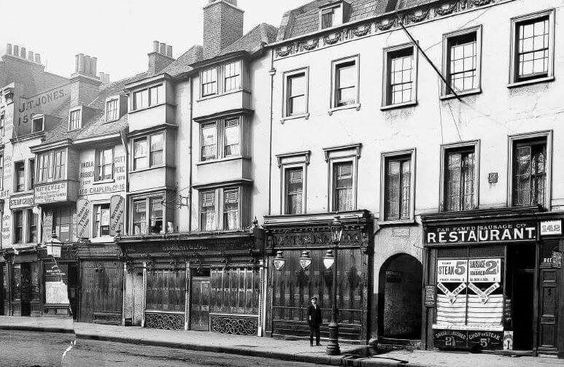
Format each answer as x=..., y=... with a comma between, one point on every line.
x=43, y=103
x=92, y=185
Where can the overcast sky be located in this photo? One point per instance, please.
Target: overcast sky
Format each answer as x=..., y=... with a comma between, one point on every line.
x=118, y=32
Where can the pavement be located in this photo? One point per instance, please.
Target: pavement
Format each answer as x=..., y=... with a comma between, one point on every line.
x=285, y=350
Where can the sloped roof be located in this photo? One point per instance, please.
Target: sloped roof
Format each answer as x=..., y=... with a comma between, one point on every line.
x=182, y=64
x=253, y=41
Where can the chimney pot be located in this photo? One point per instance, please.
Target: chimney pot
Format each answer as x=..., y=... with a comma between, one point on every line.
x=162, y=50
x=30, y=56
x=169, y=51
x=80, y=63
x=155, y=46
x=38, y=58
x=87, y=64
x=9, y=49
x=93, y=71
x=16, y=51
x=23, y=53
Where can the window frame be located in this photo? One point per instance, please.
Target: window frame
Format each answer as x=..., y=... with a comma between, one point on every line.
x=514, y=79
x=32, y=222
x=446, y=92
x=56, y=227
x=342, y=154
x=18, y=164
x=387, y=57
x=2, y=168
x=215, y=91
x=159, y=87
x=219, y=128
x=286, y=96
x=147, y=199
x=31, y=174
x=99, y=166
x=337, y=10
x=445, y=149
x=19, y=213
x=49, y=170
x=117, y=111
x=37, y=118
x=75, y=112
x=2, y=122
x=219, y=207
x=412, y=153
x=515, y=139
x=96, y=226
x=333, y=105
x=224, y=76
x=149, y=151
x=290, y=161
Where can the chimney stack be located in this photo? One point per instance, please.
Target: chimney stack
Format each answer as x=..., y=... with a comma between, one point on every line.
x=9, y=49
x=223, y=25
x=85, y=83
x=160, y=58
x=105, y=78
x=22, y=53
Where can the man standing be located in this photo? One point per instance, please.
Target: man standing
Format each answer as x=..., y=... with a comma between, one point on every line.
x=314, y=320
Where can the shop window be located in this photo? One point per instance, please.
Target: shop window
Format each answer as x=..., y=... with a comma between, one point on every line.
x=343, y=186
x=296, y=93
x=228, y=144
x=19, y=176
x=75, y=119
x=62, y=223
x=101, y=220
x=532, y=47
x=294, y=190
x=112, y=109
x=37, y=124
x=18, y=226
x=462, y=61
x=148, y=215
x=459, y=176
x=398, y=183
x=400, y=76
x=32, y=220
x=529, y=172
x=104, y=169
x=232, y=76
x=345, y=83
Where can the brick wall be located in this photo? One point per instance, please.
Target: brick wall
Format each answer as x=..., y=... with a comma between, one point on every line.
x=223, y=25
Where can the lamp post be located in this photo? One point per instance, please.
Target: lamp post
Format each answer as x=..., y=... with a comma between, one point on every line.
x=330, y=261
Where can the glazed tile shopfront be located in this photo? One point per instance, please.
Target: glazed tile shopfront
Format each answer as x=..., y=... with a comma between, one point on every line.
x=492, y=276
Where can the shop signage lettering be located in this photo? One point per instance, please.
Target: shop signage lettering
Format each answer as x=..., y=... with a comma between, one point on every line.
x=551, y=227
x=506, y=232
x=484, y=270
x=486, y=339
x=28, y=107
x=117, y=206
x=452, y=271
x=430, y=296
x=50, y=193
x=82, y=218
x=22, y=202
x=450, y=339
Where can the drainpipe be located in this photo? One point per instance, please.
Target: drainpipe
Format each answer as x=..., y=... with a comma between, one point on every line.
x=190, y=154
x=272, y=73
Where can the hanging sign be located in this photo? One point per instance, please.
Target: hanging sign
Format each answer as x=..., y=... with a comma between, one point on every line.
x=484, y=270
x=452, y=271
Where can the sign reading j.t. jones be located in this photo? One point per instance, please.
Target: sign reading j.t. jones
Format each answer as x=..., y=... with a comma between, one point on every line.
x=495, y=232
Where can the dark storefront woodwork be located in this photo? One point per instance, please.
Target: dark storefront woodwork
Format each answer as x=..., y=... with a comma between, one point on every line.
x=199, y=281
x=22, y=283
x=496, y=276
x=292, y=286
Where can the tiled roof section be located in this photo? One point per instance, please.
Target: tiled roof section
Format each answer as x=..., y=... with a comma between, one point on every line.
x=305, y=19
x=404, y=4
x=253, y=41
x=113, y=89
x=182, y=64
x=99, y=127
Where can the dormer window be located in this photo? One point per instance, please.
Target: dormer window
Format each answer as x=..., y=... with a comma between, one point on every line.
x=112, y=109
x=333, y=14
x=75, y=119
x=37, y=123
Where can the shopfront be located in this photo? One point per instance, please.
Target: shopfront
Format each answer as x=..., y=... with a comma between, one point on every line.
x=297, y=246
x=200, y=281
x=22, y=283
x=492, y=280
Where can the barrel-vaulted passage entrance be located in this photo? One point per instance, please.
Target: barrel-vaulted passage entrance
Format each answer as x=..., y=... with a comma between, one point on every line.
x=399, y=303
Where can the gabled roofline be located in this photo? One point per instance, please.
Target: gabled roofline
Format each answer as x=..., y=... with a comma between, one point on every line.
x=50, y=146
x=148, y=80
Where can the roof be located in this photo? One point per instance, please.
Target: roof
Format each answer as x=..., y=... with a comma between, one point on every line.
x=305, y=19
x=182, y=64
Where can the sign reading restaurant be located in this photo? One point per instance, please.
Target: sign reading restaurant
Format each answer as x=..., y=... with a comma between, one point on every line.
x=491, y=232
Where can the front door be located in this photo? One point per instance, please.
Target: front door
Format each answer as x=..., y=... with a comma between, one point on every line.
x=200, y=304
x=548, y=311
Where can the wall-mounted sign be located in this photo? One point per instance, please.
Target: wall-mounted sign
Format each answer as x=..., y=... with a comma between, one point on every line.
x=117, y=207
x=500, y=232
x=50, y=193
x=25, y=201
x=484, y=270
x=452, y=271
x=551, y=227
x=82, y=218
x=430, y=296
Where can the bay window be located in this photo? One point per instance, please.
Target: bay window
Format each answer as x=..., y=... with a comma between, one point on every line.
x=148, y=151
x=148, y=215
x=232, y=76
x=220, y=209
x=149, y=97
x=220, y=139
x=52, y=165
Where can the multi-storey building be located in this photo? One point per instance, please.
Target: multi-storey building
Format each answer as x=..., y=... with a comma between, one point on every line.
x=449, y=189
x=29, y=107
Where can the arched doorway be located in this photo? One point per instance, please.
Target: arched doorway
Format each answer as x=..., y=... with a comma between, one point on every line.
x=399, y=302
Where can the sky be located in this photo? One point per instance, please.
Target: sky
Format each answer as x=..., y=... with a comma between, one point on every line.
x=118, y=32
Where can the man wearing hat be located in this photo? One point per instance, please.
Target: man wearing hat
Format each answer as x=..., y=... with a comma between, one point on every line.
x=314, y=320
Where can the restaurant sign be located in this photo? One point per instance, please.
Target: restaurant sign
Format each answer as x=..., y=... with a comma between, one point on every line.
x=479, y=233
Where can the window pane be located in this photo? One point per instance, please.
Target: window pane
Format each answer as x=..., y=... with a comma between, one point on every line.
x=231, y=209
x=157, y=146
x=141, y=99
x=232, y=76
x=400, y=77
x=532, y=48
x=231, y=138
x=209, y=142
x=207, y=211
x=209, y=82
x=296, y=89
x=459, y=180
x=139, y=217
x=343, y=186
x=345, y=82
x=294, y=190
x=156, y=214
x=462, y=62
x=140, y=154
x=397, y=188
x=529, y=173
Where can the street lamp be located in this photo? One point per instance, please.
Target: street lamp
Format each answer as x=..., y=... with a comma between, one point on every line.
x=279, y=261
x=330, y=261
x=305, y=260
x=54, y=246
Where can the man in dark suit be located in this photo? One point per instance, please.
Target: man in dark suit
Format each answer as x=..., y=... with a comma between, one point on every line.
x=314, y=320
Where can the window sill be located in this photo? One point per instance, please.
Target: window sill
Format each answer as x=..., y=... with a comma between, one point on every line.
x=205, y=98
x=399, y=105
x=532, y=81
x=342, y=108
x=212, y=161
x=150, y=107
x=147, y=169
x=304, y=116
x=400, y=222
x=22, y=193
x=101, y=182
x=465, y=93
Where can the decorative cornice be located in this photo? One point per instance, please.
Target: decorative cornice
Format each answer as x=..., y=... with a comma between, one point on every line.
x=375, y=25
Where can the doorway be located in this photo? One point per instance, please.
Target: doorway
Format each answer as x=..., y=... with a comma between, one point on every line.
x=399, y=303
x=521, y=266
x=26, y=289
x=200, y=304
